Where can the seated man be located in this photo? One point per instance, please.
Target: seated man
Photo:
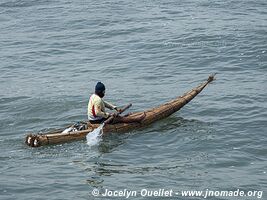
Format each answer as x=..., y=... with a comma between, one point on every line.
x=96, y=105
x=97, y=113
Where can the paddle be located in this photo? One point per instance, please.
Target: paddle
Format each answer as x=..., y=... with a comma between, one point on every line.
x=95, y=136
x=110, y=119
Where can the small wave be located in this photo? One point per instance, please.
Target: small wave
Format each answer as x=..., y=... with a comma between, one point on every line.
x=11, y=99
x=21, y=3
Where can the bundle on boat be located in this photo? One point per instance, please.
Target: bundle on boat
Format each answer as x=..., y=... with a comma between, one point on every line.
x=79, y=131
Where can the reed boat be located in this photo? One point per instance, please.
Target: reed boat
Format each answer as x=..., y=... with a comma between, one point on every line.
x=151, y=116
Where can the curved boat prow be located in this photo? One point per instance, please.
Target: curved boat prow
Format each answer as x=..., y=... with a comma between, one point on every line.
x=152, y=115
x=173, y=106
x=194, y=92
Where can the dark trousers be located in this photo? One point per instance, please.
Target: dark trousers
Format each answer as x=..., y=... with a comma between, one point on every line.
x=99, y=121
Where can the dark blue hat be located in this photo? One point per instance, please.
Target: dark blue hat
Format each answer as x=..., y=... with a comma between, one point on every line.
x=100, y=87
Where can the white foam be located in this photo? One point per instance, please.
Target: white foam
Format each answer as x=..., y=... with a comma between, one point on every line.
x=93, y=138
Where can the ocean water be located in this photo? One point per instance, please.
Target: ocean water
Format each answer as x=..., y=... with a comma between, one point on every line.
x=146, y=52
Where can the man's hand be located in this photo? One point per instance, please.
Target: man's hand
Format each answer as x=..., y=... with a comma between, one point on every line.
x=117, y=109
x=114, y=115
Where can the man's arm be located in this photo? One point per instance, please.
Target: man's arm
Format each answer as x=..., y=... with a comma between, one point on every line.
x=100, y=113
x=110, y=106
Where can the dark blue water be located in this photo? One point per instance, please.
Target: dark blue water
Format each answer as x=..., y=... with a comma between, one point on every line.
x=146, y=52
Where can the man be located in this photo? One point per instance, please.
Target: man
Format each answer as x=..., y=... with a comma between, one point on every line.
x=97, y=113
x=96, y=105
